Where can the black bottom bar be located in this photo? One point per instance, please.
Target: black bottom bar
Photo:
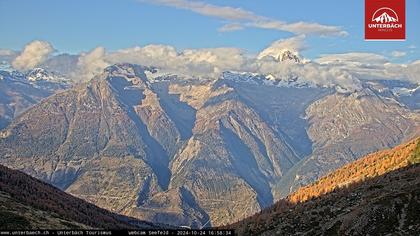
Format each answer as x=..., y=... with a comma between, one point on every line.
x=156, y=232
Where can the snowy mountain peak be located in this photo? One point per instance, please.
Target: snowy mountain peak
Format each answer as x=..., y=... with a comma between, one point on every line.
x=124, y=69
x=281, y=55
x=289, y=80
x=5, y=66
x=135, y=74
x=289, y=56
x=128, y=69
x=12, y=75
x=40, y=74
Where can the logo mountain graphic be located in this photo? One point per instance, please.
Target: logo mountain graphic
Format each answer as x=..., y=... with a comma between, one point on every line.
x=385, y=18
x=385, y=15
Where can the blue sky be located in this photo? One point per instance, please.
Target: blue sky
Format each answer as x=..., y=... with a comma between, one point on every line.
x=81, y=25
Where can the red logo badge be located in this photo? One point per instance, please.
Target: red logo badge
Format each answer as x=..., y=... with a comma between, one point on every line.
x=385, y=19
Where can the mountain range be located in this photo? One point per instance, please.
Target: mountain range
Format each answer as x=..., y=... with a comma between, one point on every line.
x=19, y=91
x=198, y=152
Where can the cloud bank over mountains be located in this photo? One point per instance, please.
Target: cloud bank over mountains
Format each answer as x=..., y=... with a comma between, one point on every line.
x=331, y=70
x=343, y=71
x=371, y=66
x=277, y=48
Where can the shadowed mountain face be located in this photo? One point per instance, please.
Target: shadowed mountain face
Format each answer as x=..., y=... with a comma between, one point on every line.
x=27, y=203
x=376, y=195
x=195, y=152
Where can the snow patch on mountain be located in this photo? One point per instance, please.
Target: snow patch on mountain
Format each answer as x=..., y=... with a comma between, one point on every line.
x=39, y=74
x=282, y=55
x=401, y=91
x=268, y=80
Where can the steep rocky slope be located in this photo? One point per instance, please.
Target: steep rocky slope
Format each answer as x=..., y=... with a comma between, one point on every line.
x=175, y=153
x=197, y=152
x=344, y=127
x=377, y=195
x=27, y=203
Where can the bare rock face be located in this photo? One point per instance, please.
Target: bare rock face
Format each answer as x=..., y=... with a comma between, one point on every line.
x=233, y=157
x=123, y=144
x=344, y=128
x=195, y=152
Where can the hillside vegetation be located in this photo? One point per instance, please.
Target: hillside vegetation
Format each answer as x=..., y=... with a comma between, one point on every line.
x=372, y=165
x=27, y=203
x=377, y=195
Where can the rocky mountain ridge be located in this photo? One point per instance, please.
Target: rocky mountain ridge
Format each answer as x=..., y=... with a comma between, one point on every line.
x=19, y=91
x=196, y=152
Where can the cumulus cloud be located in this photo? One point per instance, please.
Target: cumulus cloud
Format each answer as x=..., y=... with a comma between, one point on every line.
x=311, y=72
x=342, y=71
x=191, y=62
x=239, y=18
x=7, y=56
x=7, y=52
x=294, y=44
x=356, y=58
x=231, y=27
x=370, y=66
x=210, y=63
x=206, y=9
x=90, y=64
x=299, y=27
x=32, y=55
x=399, y=54
x=410, y=72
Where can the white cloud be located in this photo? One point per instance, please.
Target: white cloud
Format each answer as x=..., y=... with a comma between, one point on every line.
x=90, y=64
x=7, y=52
x=239, y=18
x=410, y=72
x=210, y=63
x=355, y=58
x=294, y=44
x=190, y=62
x=32, y=55
x=399, y=54
x=312, y=72
x=342, y=71
x=300, y=28
x=372, y=66
x=208, y=9
x=7, y=56
x=231, y=27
